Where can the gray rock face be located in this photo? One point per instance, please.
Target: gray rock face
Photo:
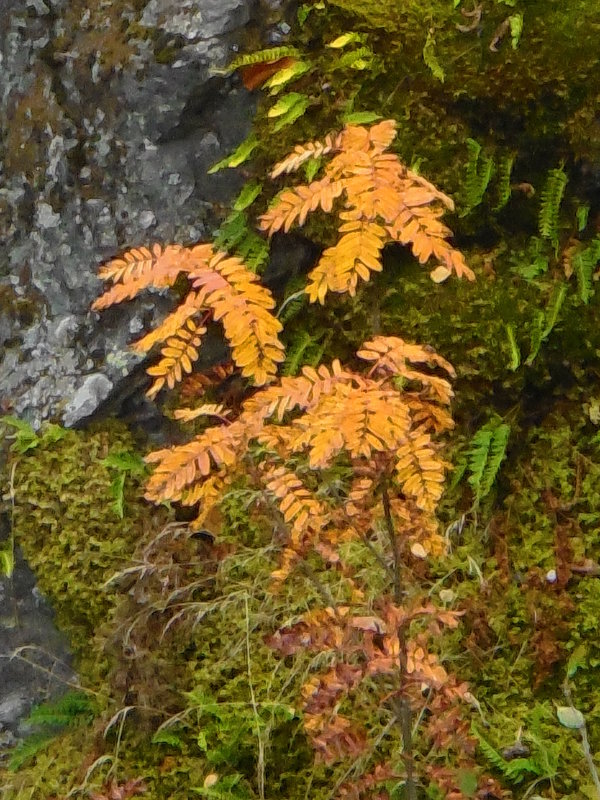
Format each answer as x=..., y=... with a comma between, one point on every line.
x=34, y=657
x=109, y=118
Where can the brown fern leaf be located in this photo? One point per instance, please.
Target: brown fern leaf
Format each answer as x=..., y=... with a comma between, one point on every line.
x=384, y=202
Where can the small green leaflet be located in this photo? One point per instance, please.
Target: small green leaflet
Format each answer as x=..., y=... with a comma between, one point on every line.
x=360, y=118
x=7, y=561
x=285, y=103
x=283, y=76
x=288, y=109
x=582, y=215
x=570, y=717
x=346, y=38
x=248, y=195
x=430, y=58
x=516, y=29
x=515, y=353
x=239, y=155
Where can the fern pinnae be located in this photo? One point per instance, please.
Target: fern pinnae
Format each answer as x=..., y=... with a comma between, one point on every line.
x=485, y=455
x=584, y=263
x=479, y=171
x=552, y=197
x=503, y=189
x=262, y=57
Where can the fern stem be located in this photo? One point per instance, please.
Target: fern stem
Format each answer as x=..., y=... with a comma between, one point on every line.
x=401, y=704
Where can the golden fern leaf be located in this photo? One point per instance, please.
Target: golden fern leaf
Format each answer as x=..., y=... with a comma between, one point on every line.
x=193, y=305
x=139, y=269
x=206, y=495
x=300, y=508
x=384, y=201
x=179, y=468
x=303, y=153
x=206, y=410
x=391, y=354
x=293, y=206
x=357, y=253
x=359, y=420
x=420, y=471
x=221, y=286
x=243, y=307
x=177, y=357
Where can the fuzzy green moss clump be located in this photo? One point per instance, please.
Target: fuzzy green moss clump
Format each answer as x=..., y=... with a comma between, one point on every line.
x=77, y=519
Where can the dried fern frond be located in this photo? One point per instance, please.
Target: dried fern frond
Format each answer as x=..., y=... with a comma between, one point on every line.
x=383, y=201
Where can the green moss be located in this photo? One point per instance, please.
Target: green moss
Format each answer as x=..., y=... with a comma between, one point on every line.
x=64, y=521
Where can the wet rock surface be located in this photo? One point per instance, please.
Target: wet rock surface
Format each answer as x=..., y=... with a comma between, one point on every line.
x=109, y=119
x=34, y=656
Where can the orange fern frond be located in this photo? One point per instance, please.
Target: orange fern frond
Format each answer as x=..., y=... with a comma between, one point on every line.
x=420, y=471
x=384, y=201
x=358, y=420
x=221, y=287
x=179, y=468
x=177, y=357
x=293, y=206
x=303, y=153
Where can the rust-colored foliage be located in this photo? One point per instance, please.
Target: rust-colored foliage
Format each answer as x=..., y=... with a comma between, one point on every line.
x=382, y=201
x=220, y=288
x=388, y=434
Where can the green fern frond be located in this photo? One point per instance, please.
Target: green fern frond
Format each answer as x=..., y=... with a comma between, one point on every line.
x=515, y=353
x=485, y=455
x=431, y=60
x=359, y=59
x=241, y=154
x=552, y=197
x=515, y=770
x=262, y=57
x=582, y=214
x=584, y=263
x=503, y=190
x=479, y=171
x=72, y=707
x=536, y=335
x=554, y=308
x=305, y=350
x=237, y=237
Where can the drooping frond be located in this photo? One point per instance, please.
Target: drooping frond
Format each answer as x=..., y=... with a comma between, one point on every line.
x=356, y=255
x=243, y=306
x=221, y=287
x=383, y=201
x=179, y=468
x=420, y=471
x=177, y=357
x=141, y=268
x=393, y=356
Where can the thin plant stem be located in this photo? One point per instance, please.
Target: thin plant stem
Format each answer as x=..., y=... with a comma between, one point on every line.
x=402, y=704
